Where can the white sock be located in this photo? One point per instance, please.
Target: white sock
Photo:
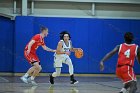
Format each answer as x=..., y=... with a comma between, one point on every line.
x=123, y=90
x=26, y=75
x=32, y=78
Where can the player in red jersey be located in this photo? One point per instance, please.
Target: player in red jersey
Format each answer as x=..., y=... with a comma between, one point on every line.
x=32, y=58
x=127, y=52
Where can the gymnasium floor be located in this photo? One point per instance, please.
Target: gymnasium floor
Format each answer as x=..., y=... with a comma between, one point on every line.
x=86, y=85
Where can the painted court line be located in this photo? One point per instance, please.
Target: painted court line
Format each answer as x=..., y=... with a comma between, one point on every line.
x=5, y=80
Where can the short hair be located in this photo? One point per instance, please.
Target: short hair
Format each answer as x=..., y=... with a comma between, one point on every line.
x=63, y=33
x=128, y=37
x=43, y=28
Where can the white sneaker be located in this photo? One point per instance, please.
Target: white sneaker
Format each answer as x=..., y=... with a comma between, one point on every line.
x=74, y=82
x=32, y=82
x=24, y=79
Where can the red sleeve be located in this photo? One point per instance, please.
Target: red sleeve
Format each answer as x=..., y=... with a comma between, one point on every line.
x=36, y=38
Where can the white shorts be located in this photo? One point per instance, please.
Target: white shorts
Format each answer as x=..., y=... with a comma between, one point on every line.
x=60, y=59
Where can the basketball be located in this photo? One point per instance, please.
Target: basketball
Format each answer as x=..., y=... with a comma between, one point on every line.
x=79, y=53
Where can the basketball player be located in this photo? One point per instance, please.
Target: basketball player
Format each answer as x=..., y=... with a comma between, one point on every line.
x=126, y=57
x=62, y=54
x=30, y=55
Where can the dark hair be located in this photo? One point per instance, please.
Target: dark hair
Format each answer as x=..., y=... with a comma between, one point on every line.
x=63, y=33
x=128, y=37
x=43, y=28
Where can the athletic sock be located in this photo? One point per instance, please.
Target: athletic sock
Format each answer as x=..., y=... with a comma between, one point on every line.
x=71, y=77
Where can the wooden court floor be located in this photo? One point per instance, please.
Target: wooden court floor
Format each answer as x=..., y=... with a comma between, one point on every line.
x=12, y=84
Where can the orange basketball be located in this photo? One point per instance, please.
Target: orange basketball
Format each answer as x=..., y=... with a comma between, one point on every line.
x=79, y=53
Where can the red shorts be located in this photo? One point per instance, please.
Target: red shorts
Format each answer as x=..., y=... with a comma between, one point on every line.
x=126, y=73
x=31, y=57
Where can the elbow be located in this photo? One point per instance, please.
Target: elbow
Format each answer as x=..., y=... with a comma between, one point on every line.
x=57, y=52
x=44, y=49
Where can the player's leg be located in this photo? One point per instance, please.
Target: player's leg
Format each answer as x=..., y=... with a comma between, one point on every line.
x=71, y=70
x=133, y=87
x=55, y=74
x=129, y=79
x=133, y=83
x=120, y=75
x=57, y=64
x=29, y=57
x=126, y=86
x=24, y=78
x=37, y=68
x=30, y=71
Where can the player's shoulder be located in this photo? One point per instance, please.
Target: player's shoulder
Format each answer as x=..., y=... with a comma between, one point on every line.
x=133, y=44
x=117, y=47
x=37, y=36
x=60, y=42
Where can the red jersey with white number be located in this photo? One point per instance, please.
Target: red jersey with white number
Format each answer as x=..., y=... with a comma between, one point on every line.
x=127, y=54
x=39, y=41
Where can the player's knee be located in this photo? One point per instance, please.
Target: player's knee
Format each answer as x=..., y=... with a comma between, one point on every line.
x=38, y=67
x=70, y=64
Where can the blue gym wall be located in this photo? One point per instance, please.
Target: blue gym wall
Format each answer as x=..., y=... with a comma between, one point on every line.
x=6, y=44
x=95, y=36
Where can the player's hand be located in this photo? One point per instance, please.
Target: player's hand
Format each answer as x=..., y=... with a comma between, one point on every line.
x=101, y=66
x=67, y=53
x=78, y=49
x=28, y=51
x=53, y=51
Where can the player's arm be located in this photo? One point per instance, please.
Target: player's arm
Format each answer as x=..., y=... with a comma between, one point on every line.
x=59, y=48
x=48, y=49
x=138, y=55
x=30, y=45
x=73, y=49
x=108, y=55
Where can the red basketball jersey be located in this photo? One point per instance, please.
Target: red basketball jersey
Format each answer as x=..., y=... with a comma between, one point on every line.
x=38, y=42
x=127, y=54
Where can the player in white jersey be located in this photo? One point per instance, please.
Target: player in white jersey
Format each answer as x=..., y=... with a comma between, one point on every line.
x=64, y=48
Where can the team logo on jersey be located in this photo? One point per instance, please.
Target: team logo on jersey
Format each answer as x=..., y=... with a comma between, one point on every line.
x=66, y=49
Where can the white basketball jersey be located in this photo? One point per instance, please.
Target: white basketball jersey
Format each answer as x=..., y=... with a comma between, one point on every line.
x=66, y=48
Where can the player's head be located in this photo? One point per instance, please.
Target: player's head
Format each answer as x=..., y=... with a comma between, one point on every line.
x=44, y=30
x=128, y=37
x=64, y=35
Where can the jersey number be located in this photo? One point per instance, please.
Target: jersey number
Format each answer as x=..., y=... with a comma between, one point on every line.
x=127, y=53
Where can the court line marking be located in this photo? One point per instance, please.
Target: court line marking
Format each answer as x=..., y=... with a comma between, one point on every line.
x=107, y=85
x=6, y=80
